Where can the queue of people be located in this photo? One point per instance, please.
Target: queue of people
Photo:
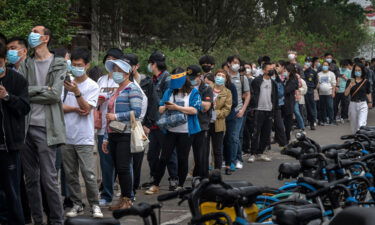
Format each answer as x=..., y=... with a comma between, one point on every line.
x=55, y=108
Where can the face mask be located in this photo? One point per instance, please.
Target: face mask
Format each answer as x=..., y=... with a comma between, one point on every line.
x=219, y=80
x=69, y=63
x=273, y=78
x=235, y=67
x=206, y=68
x=318, y=65
x=118, y=77
x=194, y=82
x=12, y=56
x=34, y=39
x=149, y=67
x=271, y=73
x=248, y=71
x=357, y=73
x=325, y=68
x=291, y=56
x=329, y=60
x=2, y=70
x=285, y=74
x=78, y=71
x=307, y=64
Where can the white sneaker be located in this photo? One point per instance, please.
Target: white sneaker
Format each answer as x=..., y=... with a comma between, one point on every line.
x=239, y=165
x=96, y=212
x=265, y=158
x=251, y=159
x=223, y=165
x=75, y=211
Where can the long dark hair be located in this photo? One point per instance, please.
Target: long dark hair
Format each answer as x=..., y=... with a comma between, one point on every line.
x=292, y=71
x=363, y=69
x=187, y=87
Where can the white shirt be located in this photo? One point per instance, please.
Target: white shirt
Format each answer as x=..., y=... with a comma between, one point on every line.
x=180, y=98
x=327, y=82
x=80, y=129
x=107, y=88
x=265, y=99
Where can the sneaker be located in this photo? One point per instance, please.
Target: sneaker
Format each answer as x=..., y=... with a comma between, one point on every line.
x=189, y=176
x=232, y=167
x=123, y=203
x=312, y=126
x=228, y=171
x=239, y=165
x=96, y=212
x=152, y=190
x=179, y=188
x=118, y=194
x=75, y=211
x=103, y=202
x=265, y=158
x=251, y=159
x=148, y=184
x=246, y=155
x=223, y=165
x=173, y=183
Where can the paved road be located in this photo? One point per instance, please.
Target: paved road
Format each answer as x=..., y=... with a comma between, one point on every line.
x=258, y=173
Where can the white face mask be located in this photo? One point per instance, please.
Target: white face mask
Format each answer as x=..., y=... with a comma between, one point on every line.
x=291, y=56
x=235, y=67
x=248, y=71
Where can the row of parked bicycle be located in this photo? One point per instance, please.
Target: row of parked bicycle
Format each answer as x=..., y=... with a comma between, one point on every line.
x=333, y=185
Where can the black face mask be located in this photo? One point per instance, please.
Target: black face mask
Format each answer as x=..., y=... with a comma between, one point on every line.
x=271, y=73
x=206, y=68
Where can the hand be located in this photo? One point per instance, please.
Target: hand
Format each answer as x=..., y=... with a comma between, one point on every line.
x=110, y=116
x=3, y=92
x=369, y=105
x=351, y=84
x=146, y=130
x=105, y=147
x=82, y=112
x=172, y=107
x=240, y=114
x=72, y=87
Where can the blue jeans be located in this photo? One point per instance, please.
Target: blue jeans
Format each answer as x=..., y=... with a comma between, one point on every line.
x=232, y=140
x=298, y=115
x=108, y=172
x=326, y=108
x=239, y=150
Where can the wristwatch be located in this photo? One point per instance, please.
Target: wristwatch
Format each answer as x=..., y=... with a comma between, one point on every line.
x=79, y=95
x=6, y=98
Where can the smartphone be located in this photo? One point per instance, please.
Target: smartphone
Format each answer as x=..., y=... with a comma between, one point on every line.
x=67, y=79
x=168, y=103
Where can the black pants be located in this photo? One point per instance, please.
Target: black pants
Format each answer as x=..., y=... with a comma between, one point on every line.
x=288, y=124
x=10, y=181
x=119, y=147
x=201, y=154
x=216, y=138
x=341, y=98
x=182, y=143
x=137, y=168
x=248, y=131
x=262, y=132
x=156, y=142
x=279, y=127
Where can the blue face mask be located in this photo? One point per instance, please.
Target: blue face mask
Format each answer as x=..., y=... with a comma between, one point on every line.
x=357, y=73
x=2, y=70
x=194, y=82
x=12, y=56
x=307, y=64
x=285, y=74
x=77, y=71
x=273, y=78
x=325, y=68
x=118, y=77
x=34, y=39
x=219, y=80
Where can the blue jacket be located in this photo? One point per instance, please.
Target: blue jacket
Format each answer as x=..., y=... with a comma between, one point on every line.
x=194, y=101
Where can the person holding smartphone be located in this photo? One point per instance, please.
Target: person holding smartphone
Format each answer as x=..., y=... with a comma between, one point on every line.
x=359, y=90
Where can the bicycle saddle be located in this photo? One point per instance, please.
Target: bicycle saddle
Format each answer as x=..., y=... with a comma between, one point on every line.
x=81, y=220
x=295, y=215
x=289, y=170
x=313, y=182
x=354, y=215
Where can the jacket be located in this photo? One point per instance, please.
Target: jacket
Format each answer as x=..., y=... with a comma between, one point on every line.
x=194, y=101
x=311, y=79
x=290, y=89
x=255, y=93
x=161, y=84
x=14, y=110
x=153, y=102
x=222, y=107
x=233, y=112
x=302, y=91
x=48, y=95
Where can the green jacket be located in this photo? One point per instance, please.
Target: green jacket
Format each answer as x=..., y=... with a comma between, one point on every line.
x=48, y=95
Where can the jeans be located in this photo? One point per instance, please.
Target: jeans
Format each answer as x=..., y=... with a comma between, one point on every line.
x=326, y=108
x=82, y=157
x=239, y=151
x=358, y=112
x=10, y=170
x=262, y=132
x=232, y=140
x=341, y=98
x=217, y=139
x=299, y=118
x=38, y=161
x=108, y=172
x=201, y=154
x=182, y=143
x=156, y=142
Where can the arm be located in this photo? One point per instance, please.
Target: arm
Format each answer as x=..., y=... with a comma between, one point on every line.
x=82, y=103
x=224, y=112
x=135, y=103
x=19, y=102
x=207, y=99
x=187, y=110
x=333, y=84
x=349, y=86
x=69, y=109
x=246, y=96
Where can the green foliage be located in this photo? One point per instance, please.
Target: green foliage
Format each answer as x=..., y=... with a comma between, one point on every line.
x=17, y=17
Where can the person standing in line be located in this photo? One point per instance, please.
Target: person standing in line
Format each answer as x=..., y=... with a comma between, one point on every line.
x=340, y=98
x=249, y=119
x=45, y=125
x=326, y=87
x=359, y=90
x=17, y=51
x=14, y=105
x=265, y=102
x=311, y=79
x=107, y=87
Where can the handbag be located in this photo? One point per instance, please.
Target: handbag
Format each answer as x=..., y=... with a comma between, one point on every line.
x=117, y=127
x=98, y=118
x=172, y=118
x=139, y=140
